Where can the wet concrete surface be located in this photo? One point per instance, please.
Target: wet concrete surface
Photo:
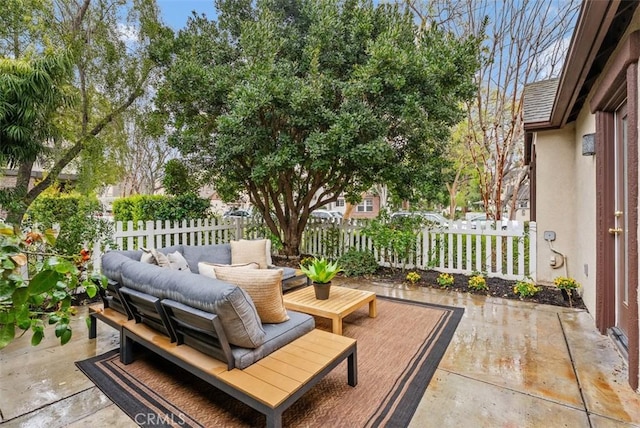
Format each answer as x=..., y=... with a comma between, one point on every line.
x=509, y=364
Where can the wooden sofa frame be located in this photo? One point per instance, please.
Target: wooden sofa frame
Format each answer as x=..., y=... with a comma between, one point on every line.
x=270, y=386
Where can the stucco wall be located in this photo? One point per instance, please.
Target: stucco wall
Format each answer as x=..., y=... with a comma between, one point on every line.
x=583, y=264
x=555, y=190
x=566, y=188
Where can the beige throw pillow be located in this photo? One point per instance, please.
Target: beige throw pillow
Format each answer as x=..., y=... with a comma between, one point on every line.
x=147, y=257
x=207, y=269
x=161, y=259
x=268, y=253
x=264, y=286
x=248, y=251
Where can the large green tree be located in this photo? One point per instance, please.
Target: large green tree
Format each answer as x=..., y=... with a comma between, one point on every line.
x=114, y=48
x=295, y=102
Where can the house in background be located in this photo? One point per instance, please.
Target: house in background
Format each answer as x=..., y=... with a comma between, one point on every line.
x=582, y=148
x=369, y=207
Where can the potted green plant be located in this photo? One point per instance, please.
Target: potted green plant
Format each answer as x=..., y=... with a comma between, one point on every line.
x=321, y=271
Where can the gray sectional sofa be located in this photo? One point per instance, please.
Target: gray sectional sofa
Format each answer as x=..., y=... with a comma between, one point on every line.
x=215, y=317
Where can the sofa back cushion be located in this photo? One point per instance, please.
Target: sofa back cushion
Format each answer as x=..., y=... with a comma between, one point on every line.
x=217, y=253
x=112, y=263
x=233, y=305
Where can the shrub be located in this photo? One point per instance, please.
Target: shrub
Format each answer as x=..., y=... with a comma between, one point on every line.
x=477, y=282
x=46, y=297
x=76, y=218
x=158, y=207
x=525, y=288
x=567, y=285
x=413, y=277
x=357, y=263
x=445, y=280
x=395, y=240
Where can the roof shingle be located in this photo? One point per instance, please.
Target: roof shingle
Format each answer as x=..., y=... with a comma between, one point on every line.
x=538, y=100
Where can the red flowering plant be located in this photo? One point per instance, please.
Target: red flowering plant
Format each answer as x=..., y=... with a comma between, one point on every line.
x=36, y=286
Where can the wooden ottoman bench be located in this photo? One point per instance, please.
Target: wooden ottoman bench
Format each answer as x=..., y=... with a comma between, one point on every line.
x=270, y=385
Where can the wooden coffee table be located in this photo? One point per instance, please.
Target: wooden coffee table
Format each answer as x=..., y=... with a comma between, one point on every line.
x=341, y=302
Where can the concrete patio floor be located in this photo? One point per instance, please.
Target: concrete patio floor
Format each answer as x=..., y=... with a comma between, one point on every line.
x=509, y=364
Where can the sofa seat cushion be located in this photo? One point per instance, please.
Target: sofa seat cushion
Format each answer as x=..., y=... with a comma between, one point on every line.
x=233, y=305
x=217, y=253
x=277, y=336
x=287, y=272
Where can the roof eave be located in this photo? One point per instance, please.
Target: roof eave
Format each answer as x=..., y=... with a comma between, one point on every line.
x=593, y=23
x=538, y=126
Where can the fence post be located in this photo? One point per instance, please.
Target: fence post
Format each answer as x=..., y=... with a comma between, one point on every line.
x=150, y=234
x=239, y=228
x=533, y=250
x=96, y=255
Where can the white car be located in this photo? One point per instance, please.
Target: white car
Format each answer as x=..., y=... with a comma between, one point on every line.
x=431, y=217
x=321, y=214
x=236, y=214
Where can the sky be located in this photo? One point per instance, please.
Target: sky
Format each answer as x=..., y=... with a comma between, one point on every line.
x=175, y=12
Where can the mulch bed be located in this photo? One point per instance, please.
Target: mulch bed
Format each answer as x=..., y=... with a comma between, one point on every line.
x=498, y=287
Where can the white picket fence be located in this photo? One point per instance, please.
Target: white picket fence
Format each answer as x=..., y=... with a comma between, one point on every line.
x=498, y=250
x=505, y=251
x=158, y=234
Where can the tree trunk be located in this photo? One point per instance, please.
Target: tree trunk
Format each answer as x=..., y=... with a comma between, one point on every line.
x=291, y=241
x=19, y=203
x=348, y=211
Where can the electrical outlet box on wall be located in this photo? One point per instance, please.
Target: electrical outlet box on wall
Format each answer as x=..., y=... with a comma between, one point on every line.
x=549, y=235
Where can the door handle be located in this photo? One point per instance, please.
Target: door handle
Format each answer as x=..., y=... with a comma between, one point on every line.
x=615, y=231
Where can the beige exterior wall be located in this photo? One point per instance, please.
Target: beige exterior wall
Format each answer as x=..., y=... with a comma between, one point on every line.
x=583, y=265
x=566, y=187
x=555, y=188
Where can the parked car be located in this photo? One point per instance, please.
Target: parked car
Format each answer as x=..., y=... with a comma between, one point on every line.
x=480, y=219
x=431, y=217
x=235, y=213
x=321, y=214
x=479, y=222
x=336, y=214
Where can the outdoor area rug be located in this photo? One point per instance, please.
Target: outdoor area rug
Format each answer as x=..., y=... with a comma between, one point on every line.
x=398, y=353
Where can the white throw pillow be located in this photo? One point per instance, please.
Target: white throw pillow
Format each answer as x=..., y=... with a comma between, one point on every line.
x=177, y=261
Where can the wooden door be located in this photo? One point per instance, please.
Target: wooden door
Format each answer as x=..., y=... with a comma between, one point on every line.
x=620, y=223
